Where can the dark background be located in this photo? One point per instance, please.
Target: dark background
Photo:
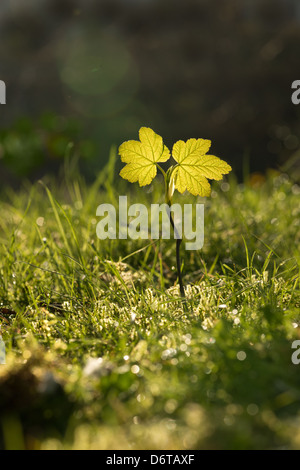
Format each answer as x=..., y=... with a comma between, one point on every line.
x=92, y=72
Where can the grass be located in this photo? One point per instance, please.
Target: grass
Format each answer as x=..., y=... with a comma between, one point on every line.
x=101, y=354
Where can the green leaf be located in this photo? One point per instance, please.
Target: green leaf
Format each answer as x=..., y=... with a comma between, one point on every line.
x=141, y=156
x=194, y=166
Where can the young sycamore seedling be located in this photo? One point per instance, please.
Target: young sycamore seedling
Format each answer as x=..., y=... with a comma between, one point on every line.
x=193, y=167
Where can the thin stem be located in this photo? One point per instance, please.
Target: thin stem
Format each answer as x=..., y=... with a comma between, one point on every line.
x=178, y=262
x=168, y=199
x=163, y=171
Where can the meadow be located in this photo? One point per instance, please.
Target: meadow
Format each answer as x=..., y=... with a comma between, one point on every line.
x=103, y=353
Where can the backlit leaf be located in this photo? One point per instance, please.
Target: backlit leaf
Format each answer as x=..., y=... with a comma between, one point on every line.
x=141, y=156
x=195, y=166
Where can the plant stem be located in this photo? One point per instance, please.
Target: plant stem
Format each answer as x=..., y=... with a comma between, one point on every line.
x=178, y=262
x=168, y=200
x=163, y=172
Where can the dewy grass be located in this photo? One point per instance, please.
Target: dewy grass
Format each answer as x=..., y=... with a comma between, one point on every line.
x=100, y=353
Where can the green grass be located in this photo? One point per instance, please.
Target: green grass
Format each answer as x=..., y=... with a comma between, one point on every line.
x=217, y=375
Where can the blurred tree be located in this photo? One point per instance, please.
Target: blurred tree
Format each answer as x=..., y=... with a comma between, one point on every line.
x=202, y=68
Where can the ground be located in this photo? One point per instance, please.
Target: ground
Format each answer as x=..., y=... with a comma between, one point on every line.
x=101, y=351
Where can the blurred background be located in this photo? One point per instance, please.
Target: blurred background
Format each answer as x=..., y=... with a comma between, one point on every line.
x=83, y=75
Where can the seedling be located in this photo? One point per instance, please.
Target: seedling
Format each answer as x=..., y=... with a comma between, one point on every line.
x=193, y=167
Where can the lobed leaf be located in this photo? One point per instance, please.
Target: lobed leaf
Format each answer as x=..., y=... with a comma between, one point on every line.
x=194, y=166
x=141, y=156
